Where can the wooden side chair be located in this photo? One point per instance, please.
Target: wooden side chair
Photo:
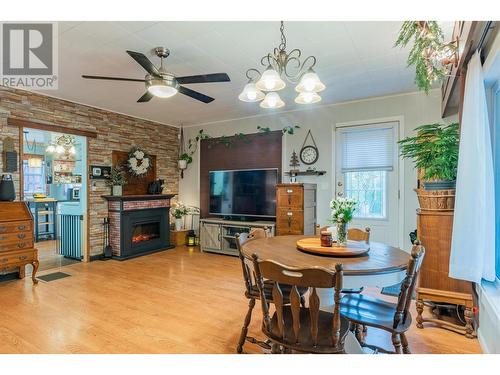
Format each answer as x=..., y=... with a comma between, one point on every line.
x=295, y=327
x=395, y=318
x=251, y=288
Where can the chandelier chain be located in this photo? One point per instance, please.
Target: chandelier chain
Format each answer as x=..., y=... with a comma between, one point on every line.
x=282, y=45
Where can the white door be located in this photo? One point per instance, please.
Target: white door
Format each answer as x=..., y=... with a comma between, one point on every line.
x=367, y=170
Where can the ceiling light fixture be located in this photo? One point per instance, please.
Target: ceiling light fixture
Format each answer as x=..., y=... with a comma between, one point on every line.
x=163, y=87
x=64, y=144
x=280, y=66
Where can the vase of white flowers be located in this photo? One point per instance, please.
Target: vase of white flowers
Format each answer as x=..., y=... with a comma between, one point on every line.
x=178, y=211
x=342, y=212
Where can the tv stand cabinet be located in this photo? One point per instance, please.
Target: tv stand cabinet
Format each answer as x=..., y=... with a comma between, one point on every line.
x=218, y=235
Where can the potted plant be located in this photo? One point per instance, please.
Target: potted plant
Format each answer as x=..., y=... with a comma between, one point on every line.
x=184, y=160
x=116, y=181
x=342, y=213
x=178, y=211
x=434, y=150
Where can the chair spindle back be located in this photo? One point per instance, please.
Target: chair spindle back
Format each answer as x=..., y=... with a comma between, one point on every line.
x=312, y=278
x=409, y=283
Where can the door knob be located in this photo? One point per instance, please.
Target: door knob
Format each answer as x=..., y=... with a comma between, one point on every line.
x=340, y=193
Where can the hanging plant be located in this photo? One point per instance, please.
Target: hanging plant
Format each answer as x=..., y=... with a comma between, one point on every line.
x=138, y=162
x=430, y=54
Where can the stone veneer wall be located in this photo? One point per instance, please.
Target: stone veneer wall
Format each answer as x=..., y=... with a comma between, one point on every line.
x=114, y=132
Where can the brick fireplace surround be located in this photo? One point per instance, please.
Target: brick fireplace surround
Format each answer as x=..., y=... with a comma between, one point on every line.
x=123, y=211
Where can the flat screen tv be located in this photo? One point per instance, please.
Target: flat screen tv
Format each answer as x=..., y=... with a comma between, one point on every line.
x=243, y=193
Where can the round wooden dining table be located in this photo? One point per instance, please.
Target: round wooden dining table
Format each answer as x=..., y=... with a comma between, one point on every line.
x=382, y=266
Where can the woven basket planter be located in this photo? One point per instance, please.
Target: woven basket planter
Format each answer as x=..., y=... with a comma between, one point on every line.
x=436, y=200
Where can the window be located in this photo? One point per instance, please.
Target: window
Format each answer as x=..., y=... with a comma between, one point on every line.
x=369, y=189
x=367, y=155
x=34, y=179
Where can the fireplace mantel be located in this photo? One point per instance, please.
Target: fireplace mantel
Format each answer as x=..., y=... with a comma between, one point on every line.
x=137, y=197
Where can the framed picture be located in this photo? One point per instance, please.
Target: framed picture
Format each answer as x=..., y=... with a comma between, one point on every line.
x=99, y=172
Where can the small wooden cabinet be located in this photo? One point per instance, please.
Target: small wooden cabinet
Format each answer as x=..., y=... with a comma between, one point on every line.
x=295, y=209
x=16, y=238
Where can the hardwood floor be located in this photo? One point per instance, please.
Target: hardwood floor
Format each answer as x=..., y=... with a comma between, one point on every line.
x=177, y=301
x=49, y=258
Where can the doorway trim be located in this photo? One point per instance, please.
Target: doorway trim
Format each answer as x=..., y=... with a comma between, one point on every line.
x=401, y=181
x=21, y=124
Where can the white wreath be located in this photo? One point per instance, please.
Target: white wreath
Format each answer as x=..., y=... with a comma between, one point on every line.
x=139, y=163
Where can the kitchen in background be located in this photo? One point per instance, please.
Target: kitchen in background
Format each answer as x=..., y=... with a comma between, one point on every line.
x=54, y=185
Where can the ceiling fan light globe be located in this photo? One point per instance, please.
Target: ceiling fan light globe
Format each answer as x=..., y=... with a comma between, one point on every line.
x=50, y=149
x=270, y=81
x=162, y=91
x=310, y=82
x=272, y=100
x=250, y=93
x=307, y=98
x=59, y=149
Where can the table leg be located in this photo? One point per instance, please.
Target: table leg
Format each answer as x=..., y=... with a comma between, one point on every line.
x=420, y=310
x=469, y=328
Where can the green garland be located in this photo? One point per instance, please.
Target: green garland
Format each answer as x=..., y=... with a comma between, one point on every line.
x=225, y=140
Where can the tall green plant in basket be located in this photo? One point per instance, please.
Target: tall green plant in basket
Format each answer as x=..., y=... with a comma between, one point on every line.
x=434, y=150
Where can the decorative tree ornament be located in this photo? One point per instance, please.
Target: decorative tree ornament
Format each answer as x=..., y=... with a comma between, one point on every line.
x=138, y=162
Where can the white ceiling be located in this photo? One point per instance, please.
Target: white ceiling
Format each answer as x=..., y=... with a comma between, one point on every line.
x=355, y=60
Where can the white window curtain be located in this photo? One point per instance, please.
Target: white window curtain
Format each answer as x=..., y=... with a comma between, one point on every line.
x=473, y=241
x=367, y=149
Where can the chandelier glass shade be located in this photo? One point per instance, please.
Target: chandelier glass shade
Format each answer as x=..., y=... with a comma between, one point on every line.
x=310, y=83
x=281, y=66
x=251, y=93
x=272, y=100
x=307, y=97
x=270, y=80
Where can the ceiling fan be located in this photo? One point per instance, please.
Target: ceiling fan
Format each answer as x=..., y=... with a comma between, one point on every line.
x=161, y=83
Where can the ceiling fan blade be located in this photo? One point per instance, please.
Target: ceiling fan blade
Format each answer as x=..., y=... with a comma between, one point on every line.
x=113, y=78
x=144, y=62
x=203, y=78
x=145, y=98
x=195, y=95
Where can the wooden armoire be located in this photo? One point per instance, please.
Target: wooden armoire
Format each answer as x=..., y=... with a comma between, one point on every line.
x=434, y=228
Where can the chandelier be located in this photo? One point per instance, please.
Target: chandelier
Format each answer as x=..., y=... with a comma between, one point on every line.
x=280, y=66
x=64, y=144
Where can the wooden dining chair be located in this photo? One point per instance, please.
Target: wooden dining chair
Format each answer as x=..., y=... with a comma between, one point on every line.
x=356, y=234
x=295, y=327
x=353, y=234
x=395, y=318
x=251, y=288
